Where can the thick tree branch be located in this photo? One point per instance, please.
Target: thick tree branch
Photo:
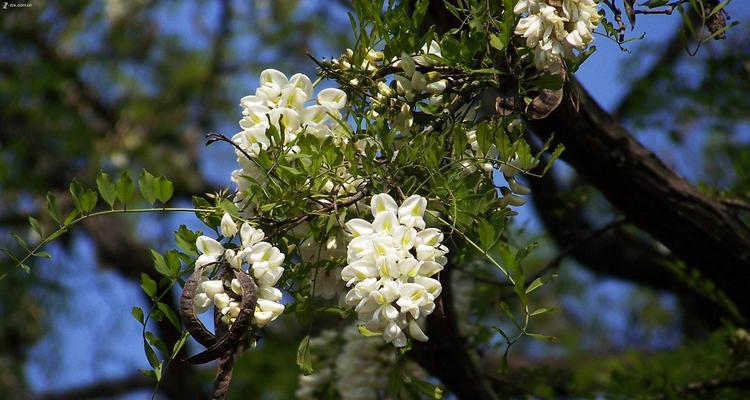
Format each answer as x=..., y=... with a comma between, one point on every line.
x=619, y=253
x=696, y=228
x=446, y=355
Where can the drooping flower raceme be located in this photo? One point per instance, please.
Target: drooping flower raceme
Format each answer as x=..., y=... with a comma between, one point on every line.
x=264, y=265
x=285, y=102
x=391, y=262
x=555, y=30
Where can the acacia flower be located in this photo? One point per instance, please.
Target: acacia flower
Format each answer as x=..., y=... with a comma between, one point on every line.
x=389, y=264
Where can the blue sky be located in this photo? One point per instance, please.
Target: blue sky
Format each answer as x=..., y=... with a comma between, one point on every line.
x=96, y=338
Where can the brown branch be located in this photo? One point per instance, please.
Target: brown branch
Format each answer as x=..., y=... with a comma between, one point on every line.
x=696, y=228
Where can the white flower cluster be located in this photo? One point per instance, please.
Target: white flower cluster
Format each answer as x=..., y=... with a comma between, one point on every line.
x=284, y=101
x=265, y=266
x=389, y=264
x=554, y=31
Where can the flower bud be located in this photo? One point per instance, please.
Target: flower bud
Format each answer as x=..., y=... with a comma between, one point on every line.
x=436, y=87
x=228, y=226
x=384, y=89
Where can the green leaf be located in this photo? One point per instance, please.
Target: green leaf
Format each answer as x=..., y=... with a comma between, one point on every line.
x=366, y=332
x=106, y=188
x=542, y=337
x=36, y=226
x=146, y=186
x=173, y=263
x=54, y=210
x=304, y=359
x=137, y=313
x=487, y=235
x=534, y=285
x=170, y=314
x=160, y=264
x=151, y=356
x=149, y=373
x=291, y=170
x=496, y=42
x=76, y=190
x=542, y=310
x=179, y=344
x=21, y=242
x=157, y=342
x=148, y=285
x=163, y=189
x=185, y=239
x=555, y=155
x=125, y=188
x=71, y=217
x=55, y=234
x=394, y=382
x=88, y=201
x=506, y=309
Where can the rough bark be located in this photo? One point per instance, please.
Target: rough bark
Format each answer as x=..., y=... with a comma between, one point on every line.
x=695, y=227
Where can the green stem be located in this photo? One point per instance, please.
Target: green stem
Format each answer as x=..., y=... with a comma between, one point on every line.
x=476, y=246
x=65, y=227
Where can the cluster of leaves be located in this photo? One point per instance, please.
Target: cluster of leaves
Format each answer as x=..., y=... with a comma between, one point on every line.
x=84, y=201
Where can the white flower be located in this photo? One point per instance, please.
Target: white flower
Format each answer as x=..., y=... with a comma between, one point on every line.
x=267, y=311
x=273, y=77
x=555, y=30
x=359, y=227
x=201, y=302
x=281, y=101
x=392, y=288
x=209, y=247
x=407, y=64
x=394, y=334
x=212, y=288
x=266, y=269
x=228, y=226
x=411, y=212
x=269, y=293
x=222, y=300
x=250, y=235
x=438, y=87
x=382, y=202
x=332, y=98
